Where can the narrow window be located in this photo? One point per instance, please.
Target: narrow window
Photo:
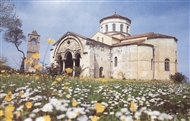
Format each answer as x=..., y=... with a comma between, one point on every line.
x=97, y=38
x=115, y=60
x=121, y=28
x=106, y=28
x=167, y=65
x=102, y=39
x=127, y=29
x=113, y=27
x=151, y=64
x=175, y=65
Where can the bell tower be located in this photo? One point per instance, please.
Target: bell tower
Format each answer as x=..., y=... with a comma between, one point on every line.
x=33, y=47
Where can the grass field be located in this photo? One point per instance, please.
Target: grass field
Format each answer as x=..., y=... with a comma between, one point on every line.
x=42, y=98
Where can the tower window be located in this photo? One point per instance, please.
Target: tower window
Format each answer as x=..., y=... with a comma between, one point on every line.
x=33, y=41
x=127, y=29
x=115, y=61
x=106, y=27
x=167, y=65
x=121, y=28
x=113, y=27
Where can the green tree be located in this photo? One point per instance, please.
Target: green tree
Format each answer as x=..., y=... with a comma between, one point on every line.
x=11, y=25
x=15, y=35
x=179, y=77
x=7, y=14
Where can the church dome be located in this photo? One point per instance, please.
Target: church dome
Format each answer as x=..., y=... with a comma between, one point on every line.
x=115, y=24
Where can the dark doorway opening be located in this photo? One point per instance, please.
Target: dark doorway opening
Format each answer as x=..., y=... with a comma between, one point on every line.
x=69, y=61
x=77, y=61
x=100, y=72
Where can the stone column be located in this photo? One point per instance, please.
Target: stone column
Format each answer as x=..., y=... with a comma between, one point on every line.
x=74, y=67
x=63, y=61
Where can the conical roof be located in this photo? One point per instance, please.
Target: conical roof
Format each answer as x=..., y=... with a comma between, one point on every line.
x=115, y=16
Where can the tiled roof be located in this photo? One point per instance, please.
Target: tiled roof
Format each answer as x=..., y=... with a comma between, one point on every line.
x=128, y=43
x=149, y=35
x=115, y=16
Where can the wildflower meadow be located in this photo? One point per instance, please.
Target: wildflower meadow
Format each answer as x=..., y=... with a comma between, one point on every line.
x=40, y=97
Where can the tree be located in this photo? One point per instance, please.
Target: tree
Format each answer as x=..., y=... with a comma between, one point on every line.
x=15, y=35
x=7, y=14
x=11, y=25
x=179, y=77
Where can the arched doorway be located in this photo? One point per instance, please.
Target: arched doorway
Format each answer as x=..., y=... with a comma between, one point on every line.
x=77, y=61
x=68, y=61
x=100, y=72
x=77, y=65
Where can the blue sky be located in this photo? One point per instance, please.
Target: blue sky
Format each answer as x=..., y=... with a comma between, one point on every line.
x=53, y=18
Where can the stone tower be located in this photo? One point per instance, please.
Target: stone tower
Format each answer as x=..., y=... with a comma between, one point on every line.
x=33, y=47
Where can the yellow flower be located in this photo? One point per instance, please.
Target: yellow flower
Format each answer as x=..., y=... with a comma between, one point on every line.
x=27, y=75
x=28, y=105
x=2, y=71
x=37, y=78
x=58, y=78
x=8, y=96
x=27, y=60
x=95, y=118
x=66, y=87
x=9, y=108
x=67, y=83
x=53, y=83
x=74, y=103
x=37, y=67
x=47, y=118
x=133, y=107
x=68, y=70
x=99, y=108
x=50, y=41
x=36, y=55
x=8, y=116
x=1, y=113
x=20, y=94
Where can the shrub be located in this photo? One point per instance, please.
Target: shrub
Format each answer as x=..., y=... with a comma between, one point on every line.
x=179, y=77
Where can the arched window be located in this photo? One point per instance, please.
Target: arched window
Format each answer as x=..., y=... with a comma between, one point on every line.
x=33, y=42
x=167, y=65
x=127, y=29
x=113, y=27
x=115, y=61
x=121, y=28
x=106, y=27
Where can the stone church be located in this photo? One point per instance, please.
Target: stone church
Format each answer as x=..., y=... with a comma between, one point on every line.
x=113, y=52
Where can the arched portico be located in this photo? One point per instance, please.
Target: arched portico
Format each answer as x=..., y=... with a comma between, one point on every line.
x=70, y=49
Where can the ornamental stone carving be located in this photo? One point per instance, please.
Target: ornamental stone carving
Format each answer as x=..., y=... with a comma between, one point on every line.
x=69, y=44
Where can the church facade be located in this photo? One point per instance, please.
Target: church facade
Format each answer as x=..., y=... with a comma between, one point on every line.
x=113, y=52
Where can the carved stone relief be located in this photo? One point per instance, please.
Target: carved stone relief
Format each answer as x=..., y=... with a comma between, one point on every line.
x=70, y=44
